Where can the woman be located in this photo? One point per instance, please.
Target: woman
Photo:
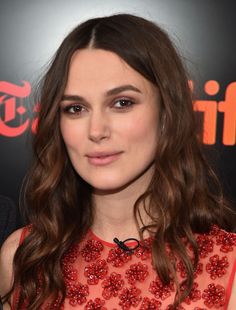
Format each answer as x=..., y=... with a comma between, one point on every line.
x=117, y=157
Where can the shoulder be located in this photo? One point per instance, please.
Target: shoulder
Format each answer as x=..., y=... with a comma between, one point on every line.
x=217, y=254
x=224, y=241
x=217, y=242
x=7, y=253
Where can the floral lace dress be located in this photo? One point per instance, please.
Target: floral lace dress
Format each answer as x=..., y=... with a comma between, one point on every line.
x=100, y=275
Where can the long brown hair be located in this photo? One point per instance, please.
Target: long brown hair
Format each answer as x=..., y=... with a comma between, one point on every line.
x=184, y=195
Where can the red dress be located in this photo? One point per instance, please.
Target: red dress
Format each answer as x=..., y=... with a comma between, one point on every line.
x=100, y=275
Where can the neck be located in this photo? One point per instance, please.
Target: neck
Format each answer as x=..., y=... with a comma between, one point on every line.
x=114, y=211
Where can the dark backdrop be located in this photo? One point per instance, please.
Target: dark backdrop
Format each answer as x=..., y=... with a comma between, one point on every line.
x=31, y=30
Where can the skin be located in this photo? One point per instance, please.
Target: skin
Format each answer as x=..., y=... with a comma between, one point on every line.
x=113, y=109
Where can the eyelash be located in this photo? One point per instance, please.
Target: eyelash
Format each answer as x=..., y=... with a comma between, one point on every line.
x=129, y=103
x=73, y=106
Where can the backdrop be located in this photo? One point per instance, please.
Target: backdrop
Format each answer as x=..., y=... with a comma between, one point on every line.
x=31, y=30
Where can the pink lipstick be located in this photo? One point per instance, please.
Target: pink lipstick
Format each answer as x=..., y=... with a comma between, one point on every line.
x=102, y=158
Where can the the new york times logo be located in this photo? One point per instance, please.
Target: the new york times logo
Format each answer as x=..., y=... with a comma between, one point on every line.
x=14, y=114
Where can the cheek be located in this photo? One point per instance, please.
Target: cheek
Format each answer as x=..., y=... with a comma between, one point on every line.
x=70, y=134
x=142, y=132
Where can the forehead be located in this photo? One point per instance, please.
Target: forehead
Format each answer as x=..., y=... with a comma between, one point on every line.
x=99, y=69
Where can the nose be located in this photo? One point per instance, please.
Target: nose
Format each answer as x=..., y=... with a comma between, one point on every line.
x=99, y=127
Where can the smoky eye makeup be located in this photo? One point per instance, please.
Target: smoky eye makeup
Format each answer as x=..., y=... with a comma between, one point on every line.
x=72, y=108
x=123, y=103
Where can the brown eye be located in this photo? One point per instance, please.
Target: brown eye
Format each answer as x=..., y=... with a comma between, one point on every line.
x=123, y=103
x=74, y=109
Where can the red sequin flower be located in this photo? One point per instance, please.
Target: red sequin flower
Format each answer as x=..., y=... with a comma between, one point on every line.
x=112, y=285
x=71, y=255
x=69, y=272
x=214, y=296
x=97, y=304
x=159, y=290
x=205, y=245
x=92, y=250
x=199, y=270
x=214, y=230
x=144, y=251
x=194, y=294
x=182, y=270
x=117, y=257
x=136, y=272
x=130, y=297
x=180, y=267
x=226, y=240
x=216, y=266
x=96, y=271
x=77, y=293
x=150, y=304
x=55, y=305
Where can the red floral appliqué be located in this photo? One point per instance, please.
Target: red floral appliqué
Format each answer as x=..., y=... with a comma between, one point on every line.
x=52, y=306
x=226, y=240
x=205, y=245
x=92, y=250
x=214, y=295
x=159, y=290
x=71, y=255
x=97, y=304
x=144, y=251
x=150, y=304
x=70, y=273
x=96, y=271
x=194, y=294
x=216, y=266
x=112, y=285
x=117, y=257
x=136, y=272
x=130, y=297
x=77, y=293
x=182, y=270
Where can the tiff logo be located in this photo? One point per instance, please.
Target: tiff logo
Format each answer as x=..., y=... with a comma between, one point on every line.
x=210, y=108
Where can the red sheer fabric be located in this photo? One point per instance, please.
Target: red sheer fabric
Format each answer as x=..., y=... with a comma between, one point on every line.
x=99, y=275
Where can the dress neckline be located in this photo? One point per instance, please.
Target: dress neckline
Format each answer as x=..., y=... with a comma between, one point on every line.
x=111, y=244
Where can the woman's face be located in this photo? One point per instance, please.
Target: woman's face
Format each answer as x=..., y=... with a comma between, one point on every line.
x=109, y=116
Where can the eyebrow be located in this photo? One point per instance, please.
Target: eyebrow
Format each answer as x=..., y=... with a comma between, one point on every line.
x=113, y=91
x=119, y=89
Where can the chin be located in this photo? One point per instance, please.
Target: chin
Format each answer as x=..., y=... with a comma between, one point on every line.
x=109, y=188
x=108, y=185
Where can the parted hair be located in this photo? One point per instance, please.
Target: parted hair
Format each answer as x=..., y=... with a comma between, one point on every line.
x=183, y=197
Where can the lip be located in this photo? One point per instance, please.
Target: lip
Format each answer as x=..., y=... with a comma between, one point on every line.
x=102, y=158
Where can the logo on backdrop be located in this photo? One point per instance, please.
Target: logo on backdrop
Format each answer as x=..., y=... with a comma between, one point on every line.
x=210, y=109
x=13, y=111
x=14, y=116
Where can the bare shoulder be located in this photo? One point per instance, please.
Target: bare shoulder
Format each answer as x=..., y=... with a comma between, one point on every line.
x=7, y=253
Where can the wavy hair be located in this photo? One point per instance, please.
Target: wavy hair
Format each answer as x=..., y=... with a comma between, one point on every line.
x=183, y=194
